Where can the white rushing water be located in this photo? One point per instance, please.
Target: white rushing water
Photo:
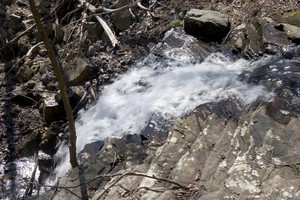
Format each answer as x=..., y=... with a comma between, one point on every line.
x=15, y=188
x=126, y=105
x=171, y=91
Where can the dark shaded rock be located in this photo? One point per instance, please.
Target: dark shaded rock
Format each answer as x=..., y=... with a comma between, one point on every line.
x=257, y=37
x=76, y=95
x=122, y=19
x=89, y=151
x=29, y=146
x=206, y=24
x=254, y=46
x=278, y=75
x=49, y=138
x=93, y=31
x=51, y=108
x=16, y=22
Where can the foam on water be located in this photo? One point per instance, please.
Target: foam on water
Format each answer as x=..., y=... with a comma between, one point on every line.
x=126, y=106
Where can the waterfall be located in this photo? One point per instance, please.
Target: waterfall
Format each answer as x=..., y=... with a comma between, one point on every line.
x=169, y=86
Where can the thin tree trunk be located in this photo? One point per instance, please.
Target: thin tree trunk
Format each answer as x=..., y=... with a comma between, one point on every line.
x=61, y=84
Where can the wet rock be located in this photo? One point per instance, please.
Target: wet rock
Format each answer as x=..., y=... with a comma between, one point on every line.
x=277, y=75
x=46, y=78
x=206, y=24
x=174, y=40
x=94, y=48
x=78, y=73
x=257, y=37
x=44, y=163
x=89, y=151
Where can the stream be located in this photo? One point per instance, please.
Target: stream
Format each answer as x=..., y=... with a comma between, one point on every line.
x=171, y=85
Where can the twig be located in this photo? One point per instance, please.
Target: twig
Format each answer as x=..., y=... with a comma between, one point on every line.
x=82, y=98
x=143, y=175
x=67, y=188
x=105, y=26
x=132, y=14
x=32, y=48
x=15, y=39
x=82, y=31
x=28, y=191
x=163, y=5
x=21, y=59
x=105, y=12
x=142, y=7
x=68, y=14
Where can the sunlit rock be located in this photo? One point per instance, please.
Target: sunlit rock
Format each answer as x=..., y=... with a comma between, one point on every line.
x=74, y=75
x=206, y=24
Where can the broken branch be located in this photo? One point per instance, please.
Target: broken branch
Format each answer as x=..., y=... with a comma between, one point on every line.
x=143, y=175
x=110, y=34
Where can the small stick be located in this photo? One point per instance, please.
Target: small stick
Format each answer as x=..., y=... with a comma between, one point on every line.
x=143, y=175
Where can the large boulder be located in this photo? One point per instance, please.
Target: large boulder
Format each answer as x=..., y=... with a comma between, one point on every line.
x=206, y=24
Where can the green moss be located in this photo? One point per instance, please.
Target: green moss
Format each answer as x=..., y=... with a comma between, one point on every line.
x=291, y=14
x=292, y=18
x=176, y=23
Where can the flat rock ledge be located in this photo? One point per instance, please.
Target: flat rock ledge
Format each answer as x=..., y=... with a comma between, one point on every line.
x=220, y=151
x=206, y=24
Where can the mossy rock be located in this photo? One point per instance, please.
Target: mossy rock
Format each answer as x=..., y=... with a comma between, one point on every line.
x=292, y=18
x=291, y=14
x=176, y=23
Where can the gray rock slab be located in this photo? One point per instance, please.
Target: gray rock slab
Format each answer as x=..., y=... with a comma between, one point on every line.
x=206, y=24
x=217, y=152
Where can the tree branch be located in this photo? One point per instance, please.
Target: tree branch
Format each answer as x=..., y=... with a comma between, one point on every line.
x=61, y=84
x=143, y=175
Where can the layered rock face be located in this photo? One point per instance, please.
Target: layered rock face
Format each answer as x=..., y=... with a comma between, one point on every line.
x=220, y=151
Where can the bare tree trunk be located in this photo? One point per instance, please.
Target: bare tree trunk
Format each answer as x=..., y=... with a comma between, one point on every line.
x=61, y=84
